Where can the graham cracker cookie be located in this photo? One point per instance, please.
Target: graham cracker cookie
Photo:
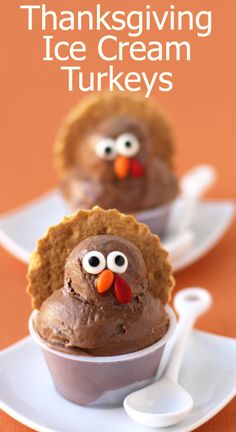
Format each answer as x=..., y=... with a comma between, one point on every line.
x=94, y=109
x=46, y=269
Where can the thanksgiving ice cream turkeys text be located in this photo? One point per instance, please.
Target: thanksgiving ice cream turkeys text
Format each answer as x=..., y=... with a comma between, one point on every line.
x=114, y=46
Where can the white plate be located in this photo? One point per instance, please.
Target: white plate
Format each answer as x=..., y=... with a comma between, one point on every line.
x=20, y=229
x=27, y=393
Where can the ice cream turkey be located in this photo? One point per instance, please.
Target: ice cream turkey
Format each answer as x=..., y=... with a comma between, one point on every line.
x=116, y=151
x=100, y=281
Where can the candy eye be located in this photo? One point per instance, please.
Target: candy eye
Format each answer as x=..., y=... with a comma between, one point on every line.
x=127, y=145
x=117, y=262
x=105, y=149
x=94, y=262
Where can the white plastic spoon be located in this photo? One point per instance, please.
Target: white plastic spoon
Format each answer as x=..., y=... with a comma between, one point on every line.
x=193, y=184
x=165, y=402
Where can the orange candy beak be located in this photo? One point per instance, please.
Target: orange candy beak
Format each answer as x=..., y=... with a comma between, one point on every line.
x=122, y=290
x=122, y=166
x=105, y=281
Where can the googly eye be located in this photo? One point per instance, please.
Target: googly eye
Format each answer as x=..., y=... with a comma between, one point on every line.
x=105, y=149
x=94, y=262
x=117, y=262
x=127, y=145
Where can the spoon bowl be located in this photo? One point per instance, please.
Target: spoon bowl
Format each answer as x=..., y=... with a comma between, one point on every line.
x=163, y=404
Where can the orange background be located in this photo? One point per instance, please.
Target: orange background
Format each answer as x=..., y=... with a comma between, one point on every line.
x=202, y=105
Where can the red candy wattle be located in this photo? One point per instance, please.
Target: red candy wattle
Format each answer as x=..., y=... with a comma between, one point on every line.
x=122, y=290
x=136, y=168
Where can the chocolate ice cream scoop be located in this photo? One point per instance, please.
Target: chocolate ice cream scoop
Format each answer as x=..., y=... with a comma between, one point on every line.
x=98, y=265
x=156, y=188
x=105, y=306
x=67, y=322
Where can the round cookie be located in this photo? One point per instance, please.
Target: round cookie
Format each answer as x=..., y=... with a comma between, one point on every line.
x=92, y=111
x=46, y=269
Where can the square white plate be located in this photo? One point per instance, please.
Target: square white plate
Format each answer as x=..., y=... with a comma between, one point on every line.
x=27, y=393
x=21, y=228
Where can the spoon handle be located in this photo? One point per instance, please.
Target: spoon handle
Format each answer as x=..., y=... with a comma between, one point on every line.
x=190, y=303
x=197, y=181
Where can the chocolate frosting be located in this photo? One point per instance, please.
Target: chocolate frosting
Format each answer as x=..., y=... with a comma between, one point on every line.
x=77, y=316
